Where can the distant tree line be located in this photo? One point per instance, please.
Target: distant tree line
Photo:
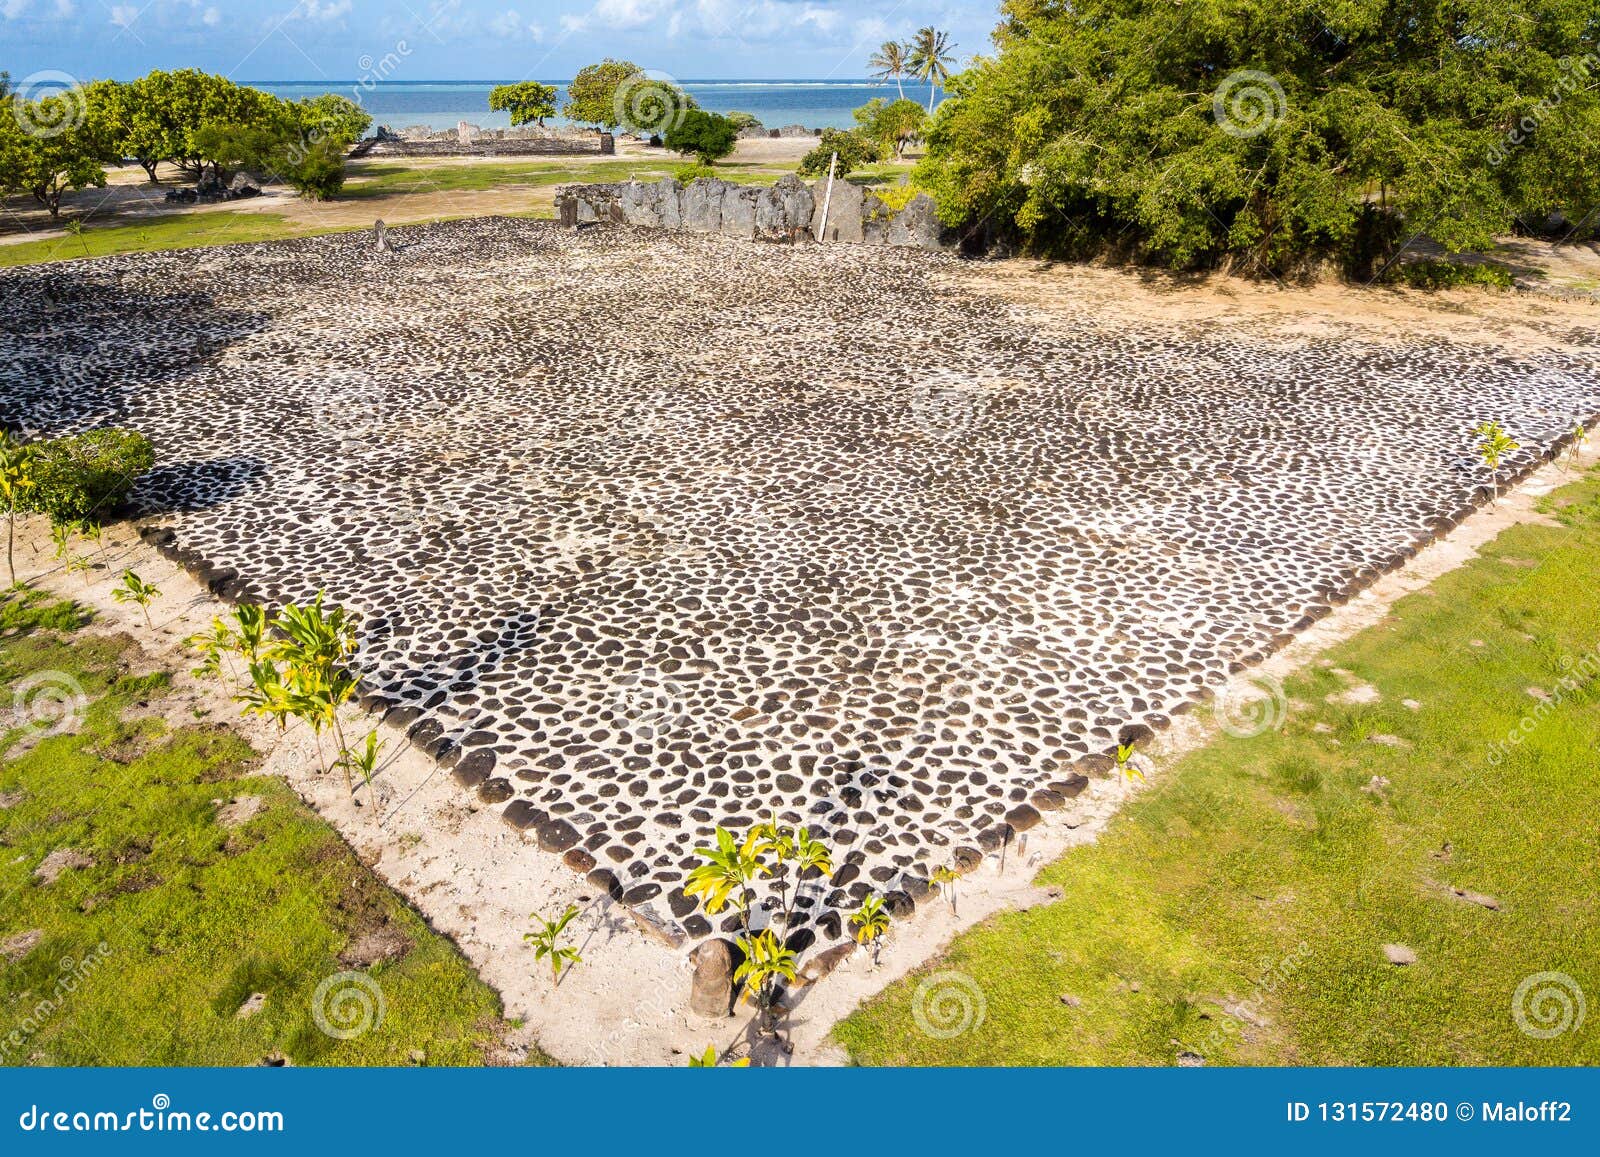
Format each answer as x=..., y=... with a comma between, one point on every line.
x=203, y=124
x=1199, y=134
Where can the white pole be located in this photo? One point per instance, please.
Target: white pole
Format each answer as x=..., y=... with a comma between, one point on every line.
x=827, y=197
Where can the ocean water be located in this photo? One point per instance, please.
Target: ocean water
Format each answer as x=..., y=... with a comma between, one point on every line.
x=442, y=104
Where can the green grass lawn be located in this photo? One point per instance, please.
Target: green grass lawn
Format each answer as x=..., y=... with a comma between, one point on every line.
x=1267, y=874
x=145, y=953
x=179, y=231
x=377, y=179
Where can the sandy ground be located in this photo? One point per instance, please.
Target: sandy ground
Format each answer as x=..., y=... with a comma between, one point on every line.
x=476, y=880
x=1290, y=314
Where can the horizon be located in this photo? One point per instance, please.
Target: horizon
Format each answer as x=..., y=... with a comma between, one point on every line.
x=471, y=41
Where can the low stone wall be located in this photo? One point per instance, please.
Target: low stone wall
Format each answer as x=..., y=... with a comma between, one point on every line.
x=787, y=211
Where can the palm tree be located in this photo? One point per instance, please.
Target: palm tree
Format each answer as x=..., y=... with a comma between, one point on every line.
x=931, y=57
x=892, y=62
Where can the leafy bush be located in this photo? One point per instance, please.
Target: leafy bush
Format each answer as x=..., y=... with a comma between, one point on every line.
x=84, y=478
x=704, y=135
x=1306, y=132
x=892, y=126
x=897, y=197
x=743, y=120
x=1434, y=274
x=686, y=173
x=854, y=147
x=316, y=172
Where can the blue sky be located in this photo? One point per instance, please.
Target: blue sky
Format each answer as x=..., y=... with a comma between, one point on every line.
x=469, y=39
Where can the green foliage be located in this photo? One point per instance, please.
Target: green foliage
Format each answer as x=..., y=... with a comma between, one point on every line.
x=528, y=102
x=592, y=95
x=547, y=945
x=897, y=197
x=1434, y=274
x=891, y=126
x=51, y=146
x=704, y=135
x=684, y=174
x=854, y=147
x=743, y=120
x=766, y=961
x=162, y=116
x=333, y=117
x=16, y=479
x=1494, y=443
x=932, y=53
x=135, y=590
x=709, y=1060
x=1187, y=135
x=85, y=477
x=892, y=61
x=870, y=921
x=363, y=760
x=1125, y=766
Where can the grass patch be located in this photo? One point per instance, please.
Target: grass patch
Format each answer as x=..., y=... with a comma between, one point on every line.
x=167, y=920
x=1237, y=911
x=1435, y=274
x=179, y=231
x=383, y=179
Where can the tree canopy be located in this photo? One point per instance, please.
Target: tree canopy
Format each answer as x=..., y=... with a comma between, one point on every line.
x=528, y=102
x=592, y=95
x=704, y=135
x=51, y=145
x=1224, y=131
x=892, y=125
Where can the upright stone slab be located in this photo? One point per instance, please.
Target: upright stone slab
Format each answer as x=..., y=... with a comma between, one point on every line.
x=669, y=207
x=844, y=212
x=639, y=205
x=917, y=226
x=783, y=211
x=875, y=219
x=702, y=205
x=739, y=212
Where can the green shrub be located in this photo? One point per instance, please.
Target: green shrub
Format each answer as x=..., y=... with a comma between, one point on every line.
x=687, y=173
x=1437, y=274
x=317, y=172
x=897, y=197
x=854, y=147
x=703, y=135
x=84, y=478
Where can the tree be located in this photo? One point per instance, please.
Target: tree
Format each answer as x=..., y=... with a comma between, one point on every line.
x=16, y=477
x=592, y=95
x=156, y=118
x=891, y=62
x=892, y=125
x=854, y=147
x=334, y=117
x=51, y=146
x=1252, y=142
x=528, y=103
x=704, y=135
x=931, y=57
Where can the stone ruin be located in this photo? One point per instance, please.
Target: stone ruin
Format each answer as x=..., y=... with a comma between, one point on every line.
x=787, y=211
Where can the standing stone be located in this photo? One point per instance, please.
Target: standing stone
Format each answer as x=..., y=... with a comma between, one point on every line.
x=638, y=202
x=784, y=210
x=464, y=133
x=711, y=991
x=739, y=212
x=844, y=212
x=669, y=207
x=702, y=205
x=875, y=217
x=917, y=226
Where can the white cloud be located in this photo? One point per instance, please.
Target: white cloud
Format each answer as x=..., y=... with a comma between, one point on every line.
x=509, y=25
x=12, y=9
x=66, y=9
x=123, y=15
x=324, y=12
x=211, y=18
